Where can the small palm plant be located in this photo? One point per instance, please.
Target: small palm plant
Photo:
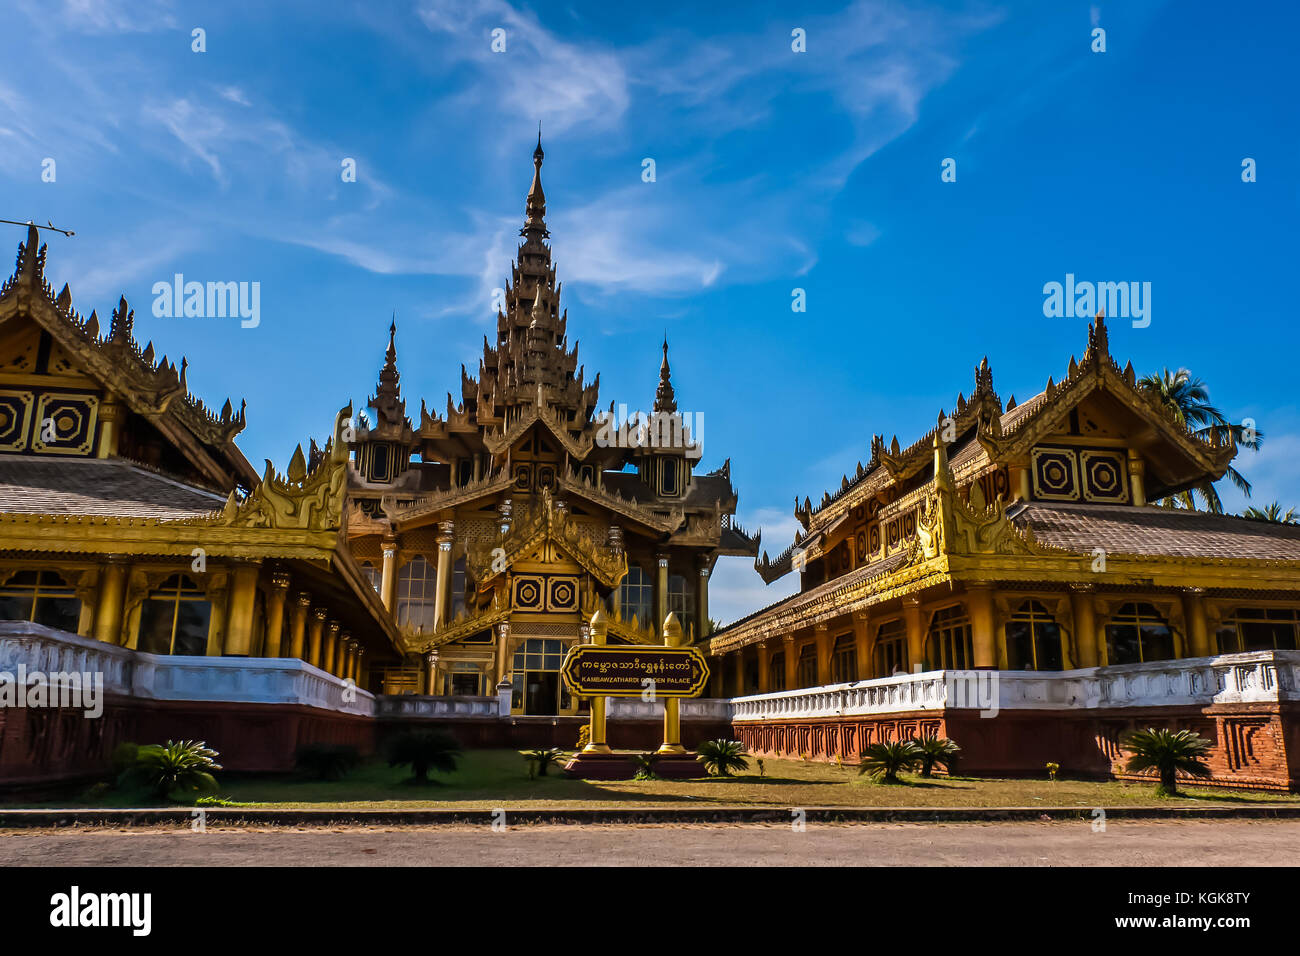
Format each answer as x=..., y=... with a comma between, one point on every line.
x=883, y=761
x=720, y=757
x=424, y=750
x=184, y=767
x=935, y=751
x=1168, y=753
x=539, y=759
x=645, y=766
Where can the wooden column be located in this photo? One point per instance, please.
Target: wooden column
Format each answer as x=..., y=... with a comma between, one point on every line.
x=445, y=532
x=298, y=624
x=1136, y=475
x=861, y=644
x=915, y=634
x=661, y=587
x=702, y=601
x=110, y=414
x=330, y=648
x=108, y=600
x=764, y=668
x=791, y=662
x=314, y=630
x=1085, y=625
x=344, y=661
x=239, y=616
x=1198, y=635
x=740, y=672
x=822, y=638
x=275, y=614
x=358, y=672
x=388, y=576
x=983, y=639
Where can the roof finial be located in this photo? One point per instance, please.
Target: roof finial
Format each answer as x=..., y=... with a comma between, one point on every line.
x=665, y=400
x=535, y=208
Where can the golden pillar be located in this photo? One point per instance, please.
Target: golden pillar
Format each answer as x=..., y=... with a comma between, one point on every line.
x=275, y=614
x=1022, y=481
x=596, y=744
x=861, y=646
x=298, y=624
x=388, y=578
x=503, y=653
x=1198, y=634
x=822, y=639
x=740, y=671
x=431, y=673
x=791, y=662
x=1085, y=625
x=108, y=602
x=445, y=537
x=343, y=658
x=915, y=634
x=764, y=667
x=330, y=647
x=357, y=671
x=1136, y=474
x=239, y=616
x=318, y=616
x=110, y=415
x=661, y=586
x=983, y=638
x=672, y=744
x=702, y=601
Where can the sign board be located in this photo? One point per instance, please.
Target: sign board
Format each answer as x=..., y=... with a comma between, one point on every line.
x=603, y=670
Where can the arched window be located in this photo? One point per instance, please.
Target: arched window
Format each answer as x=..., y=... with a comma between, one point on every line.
x=681, y=601
x=417, y=589
x=949, y=645
x=776, y=672
x=636, y=595
x=844, y=660
x=1138, y=633
x=1033, y=639
x=43, y=597
x=806, y=674
x=891, y=649
x=174, y=619
x=1260, y=629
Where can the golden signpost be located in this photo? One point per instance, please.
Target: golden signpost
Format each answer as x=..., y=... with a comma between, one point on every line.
x=599, y=670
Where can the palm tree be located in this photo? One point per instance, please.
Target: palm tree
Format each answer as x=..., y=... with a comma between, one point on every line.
x=542, y=759
x=935, y=750
x=1188, y=400
x=173, y=767
x=424, y=750
x=883, y=761
x=720, y=757
x=1168, y=752
x=1271, y=512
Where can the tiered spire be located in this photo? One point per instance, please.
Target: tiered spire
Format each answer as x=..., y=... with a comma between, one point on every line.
x=665, y=400
x=387, y=400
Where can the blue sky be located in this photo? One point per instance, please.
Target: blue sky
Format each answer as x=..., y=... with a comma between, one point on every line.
x=775, y=170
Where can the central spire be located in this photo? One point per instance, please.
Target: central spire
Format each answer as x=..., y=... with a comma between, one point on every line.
x=665, y=400
x=535, y=221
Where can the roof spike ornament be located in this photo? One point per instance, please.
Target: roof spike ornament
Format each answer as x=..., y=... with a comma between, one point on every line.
x=123, y=322
x=1098, y=337
x=665, y=399
x=535, y=221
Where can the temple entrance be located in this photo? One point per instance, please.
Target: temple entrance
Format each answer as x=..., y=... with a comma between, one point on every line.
x=542, y=697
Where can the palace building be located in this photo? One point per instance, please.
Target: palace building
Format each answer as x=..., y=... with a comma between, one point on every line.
x=1023, y=539
x=494, y=530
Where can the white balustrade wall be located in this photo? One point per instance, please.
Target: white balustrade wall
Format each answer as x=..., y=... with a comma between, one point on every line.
x=1251, y=677
x=128, y=673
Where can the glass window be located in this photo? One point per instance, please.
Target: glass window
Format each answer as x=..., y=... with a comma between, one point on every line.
x=891, y=649
x=806, y=674
x=949, y=645
x=776, y=671
x=1138, y=633
x=373, y=575
x=458, y=587
x=1033, y=639
x=1260, y=629
x=417, y=587
x=844, y=660
x=681, y=601
x=174, y=619
x=42, y=597
x=636, y=596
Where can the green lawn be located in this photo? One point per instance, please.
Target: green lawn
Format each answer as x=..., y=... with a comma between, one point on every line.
x=488, y=779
